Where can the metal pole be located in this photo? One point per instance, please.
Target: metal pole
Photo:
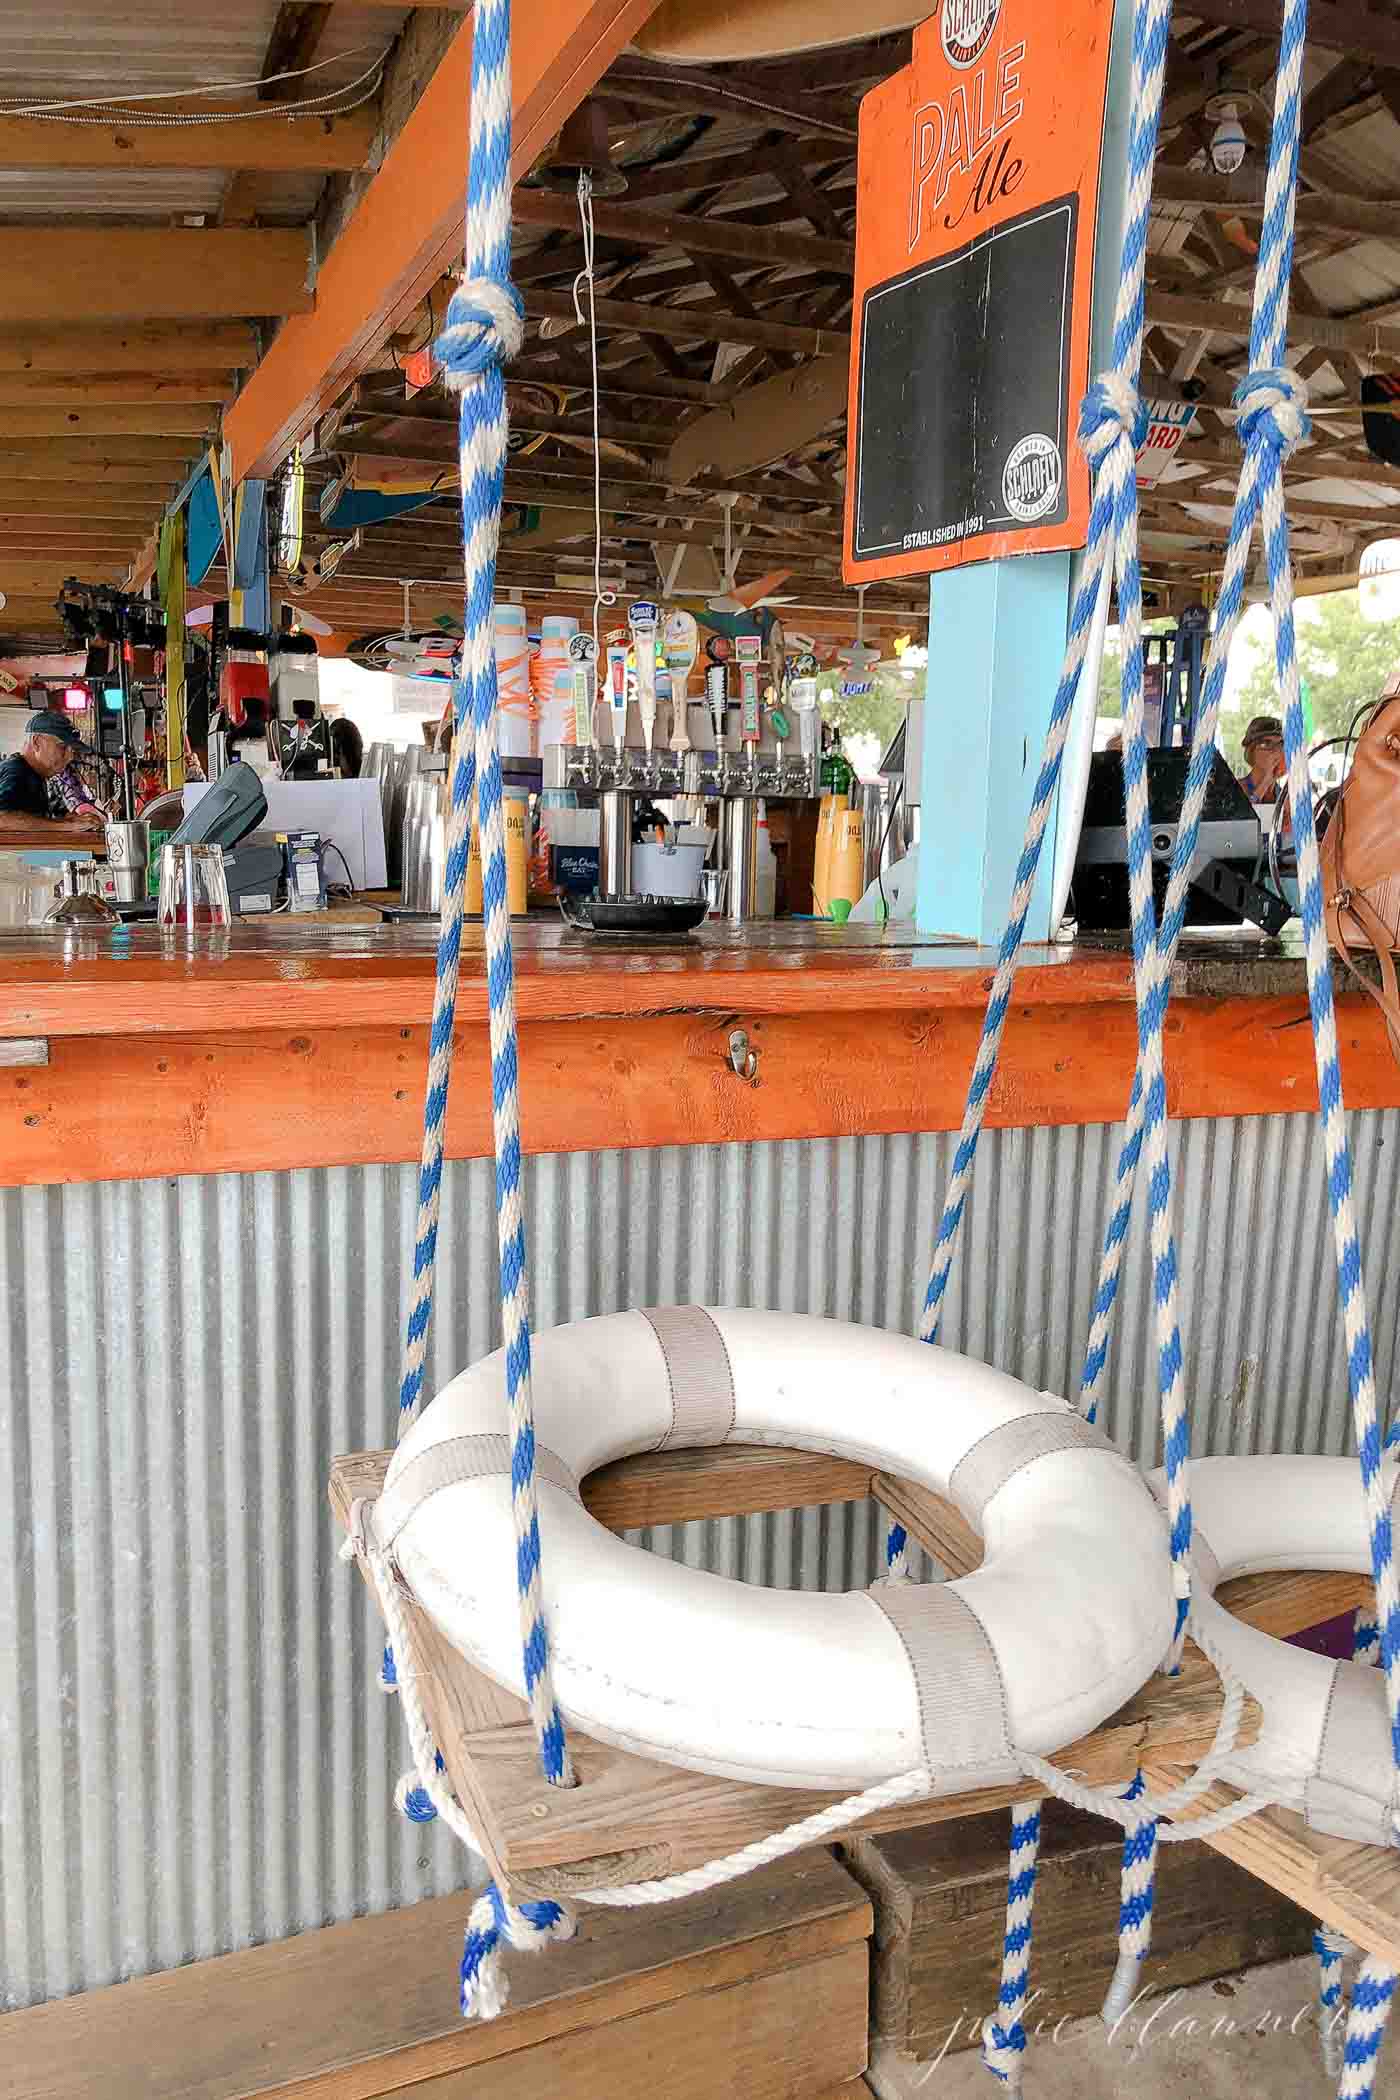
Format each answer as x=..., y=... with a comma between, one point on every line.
x=614, y=843
x=741, y=856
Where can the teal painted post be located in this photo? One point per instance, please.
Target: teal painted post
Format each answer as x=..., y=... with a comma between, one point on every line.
x=996, y=641
x=996, y=638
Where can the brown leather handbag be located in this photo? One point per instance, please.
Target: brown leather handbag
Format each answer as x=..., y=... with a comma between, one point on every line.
x=1360, y=853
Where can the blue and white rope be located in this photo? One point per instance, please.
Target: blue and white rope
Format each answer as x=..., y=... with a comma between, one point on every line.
x=1137, y=1895
x=1279, y=393
x=1332, y=1950
x=1111, y=427
x=1371, y=1999
x=1272, y=421
x=491, y=1924
x=1271, y=427
x=1004, y=2033
x=484, y=326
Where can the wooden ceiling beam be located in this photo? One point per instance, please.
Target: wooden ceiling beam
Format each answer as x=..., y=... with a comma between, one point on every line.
x=635, y=381
x=154, y=455
x=1333, y=214
x=442, y=418
x=547, y=475
x=297, y=30
x=727, y=239
x=567, y=482
x=1299, y=468
x=1333, y=25
x=808, y=198
x=160, y=419
x=166, y=347
x=702, y=170
x=76, y=498
x=699, y=91
x=275, y=144
x=139, y=389
x=1367, y=338
x=161, y=481
x=48, y=572
x=154, y=273
x=1337, y=91
x=702, y=324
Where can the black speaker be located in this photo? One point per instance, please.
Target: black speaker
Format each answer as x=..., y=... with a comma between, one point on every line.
x=1230, y=835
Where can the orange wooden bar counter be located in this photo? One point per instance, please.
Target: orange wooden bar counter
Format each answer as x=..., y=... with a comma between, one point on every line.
x=284, y=1046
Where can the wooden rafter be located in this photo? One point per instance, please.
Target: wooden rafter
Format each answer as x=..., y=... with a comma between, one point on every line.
x=297, y=31
x=321, y=145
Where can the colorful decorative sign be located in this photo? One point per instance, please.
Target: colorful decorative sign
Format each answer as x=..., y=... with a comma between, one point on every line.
x=977, y=192
x=1168, y=423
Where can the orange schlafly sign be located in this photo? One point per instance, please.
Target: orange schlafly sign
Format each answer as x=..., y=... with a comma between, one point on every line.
x=977, y=192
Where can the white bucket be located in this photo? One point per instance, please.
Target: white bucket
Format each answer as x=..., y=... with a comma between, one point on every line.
x=667, y=871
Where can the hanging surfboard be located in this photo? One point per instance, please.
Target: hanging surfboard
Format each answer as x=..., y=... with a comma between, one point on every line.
x=764, y=423
x=286, y=546
x=204, y=536
x=701, y=32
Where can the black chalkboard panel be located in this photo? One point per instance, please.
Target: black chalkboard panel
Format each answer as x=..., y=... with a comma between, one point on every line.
x=963, y=391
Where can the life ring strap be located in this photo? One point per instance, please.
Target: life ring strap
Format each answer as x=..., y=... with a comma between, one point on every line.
x=1008, y=1449
x=1349, y=1793
x=700, y=1374
x=958, y=1682
x=481, y=1457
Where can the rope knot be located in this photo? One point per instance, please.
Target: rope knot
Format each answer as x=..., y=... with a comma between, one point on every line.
x=1273, y=405
x=485, y=325
x=1003, y=2051
x=413, y=1800
x=1112, y=409
x=492, y=1925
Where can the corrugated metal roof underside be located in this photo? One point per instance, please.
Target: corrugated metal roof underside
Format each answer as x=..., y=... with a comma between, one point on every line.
x=66, y=53
x=192, y=1754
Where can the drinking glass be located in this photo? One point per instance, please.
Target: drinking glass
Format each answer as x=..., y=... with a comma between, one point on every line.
x=193, y=888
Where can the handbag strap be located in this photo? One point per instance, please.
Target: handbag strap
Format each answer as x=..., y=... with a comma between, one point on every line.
x=1378, y=936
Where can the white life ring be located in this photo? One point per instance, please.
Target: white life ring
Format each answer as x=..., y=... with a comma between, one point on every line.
x=1065, y=1620
x=1067, y=1617
x=1324, y=1746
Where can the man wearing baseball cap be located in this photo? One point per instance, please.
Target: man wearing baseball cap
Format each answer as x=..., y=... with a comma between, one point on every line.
x=50, y=743
x=1265, y=769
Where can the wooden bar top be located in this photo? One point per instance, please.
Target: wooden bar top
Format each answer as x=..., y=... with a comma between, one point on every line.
x=275, y=975
x=281, y=1045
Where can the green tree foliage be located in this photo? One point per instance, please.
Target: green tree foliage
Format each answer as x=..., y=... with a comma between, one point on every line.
x=1345, y=661
x=1111, y=680
x=1111, y=671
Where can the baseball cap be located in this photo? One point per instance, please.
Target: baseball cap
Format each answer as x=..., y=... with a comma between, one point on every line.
x=1260, y=727
x=49, y=722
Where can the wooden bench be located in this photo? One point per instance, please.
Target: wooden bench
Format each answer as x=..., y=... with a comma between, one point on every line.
x=754, y=1992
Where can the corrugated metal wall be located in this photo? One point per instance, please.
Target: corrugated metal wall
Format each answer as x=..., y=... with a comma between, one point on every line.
x=192, y=1756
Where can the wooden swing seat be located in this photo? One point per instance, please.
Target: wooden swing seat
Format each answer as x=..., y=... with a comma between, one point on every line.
x=630, y=1819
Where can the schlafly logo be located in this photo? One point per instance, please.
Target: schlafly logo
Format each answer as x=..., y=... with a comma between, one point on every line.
x=966, y=29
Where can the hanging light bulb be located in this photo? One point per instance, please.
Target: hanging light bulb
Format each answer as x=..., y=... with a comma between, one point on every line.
x=1228, y=144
